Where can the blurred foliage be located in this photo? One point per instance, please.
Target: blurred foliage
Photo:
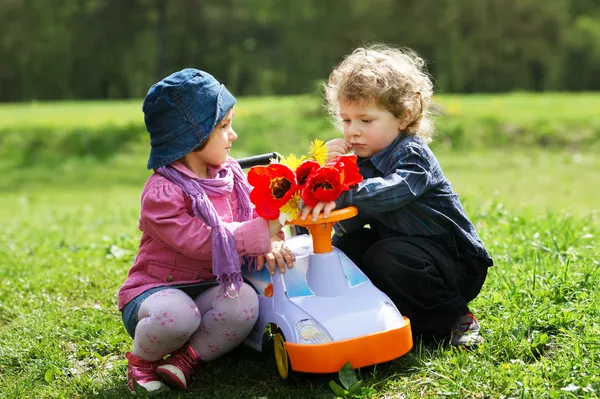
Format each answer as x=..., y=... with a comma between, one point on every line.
x=49, y=134
x=96, y=49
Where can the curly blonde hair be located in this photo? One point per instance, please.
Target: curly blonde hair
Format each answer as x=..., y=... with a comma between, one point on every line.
x=395, y=79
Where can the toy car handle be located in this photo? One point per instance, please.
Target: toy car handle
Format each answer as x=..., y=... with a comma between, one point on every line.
x=262, y=159
x=320, y=230
x=334, y=216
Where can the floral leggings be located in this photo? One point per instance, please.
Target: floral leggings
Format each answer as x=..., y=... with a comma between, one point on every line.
x=214, y=323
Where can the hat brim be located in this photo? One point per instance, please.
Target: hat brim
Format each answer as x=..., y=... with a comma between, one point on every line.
x=173, y=150
x=225, y=101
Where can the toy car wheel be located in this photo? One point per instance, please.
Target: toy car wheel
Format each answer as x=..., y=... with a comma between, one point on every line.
x=282, y=360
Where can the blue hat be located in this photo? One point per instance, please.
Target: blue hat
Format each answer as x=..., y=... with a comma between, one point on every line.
x=181, y=111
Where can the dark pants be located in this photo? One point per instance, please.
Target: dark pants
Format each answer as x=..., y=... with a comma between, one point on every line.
x=428, y=283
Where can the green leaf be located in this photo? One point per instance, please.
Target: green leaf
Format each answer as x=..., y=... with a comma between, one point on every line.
x=538, y=343
x=99, y=356
x=52, y=372
x=347, y=376
x=338, y=390
x=356, y=388
x=49, y=375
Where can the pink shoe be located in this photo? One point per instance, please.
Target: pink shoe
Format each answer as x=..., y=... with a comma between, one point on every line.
x=142, y=373
x=180, y=367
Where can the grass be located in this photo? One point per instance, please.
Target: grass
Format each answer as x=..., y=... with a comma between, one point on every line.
x=65, y=253
x=69, y=234
x=516, y=108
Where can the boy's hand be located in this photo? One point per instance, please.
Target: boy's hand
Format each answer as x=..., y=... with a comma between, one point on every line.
x=336, y=147
x=326, y=207
x=278, y=257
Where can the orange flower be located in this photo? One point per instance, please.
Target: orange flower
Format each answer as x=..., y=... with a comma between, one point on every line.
x=346, y=164
x=324, y=185
x=274, y=185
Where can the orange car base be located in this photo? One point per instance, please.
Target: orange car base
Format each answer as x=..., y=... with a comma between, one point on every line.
x=325, y=312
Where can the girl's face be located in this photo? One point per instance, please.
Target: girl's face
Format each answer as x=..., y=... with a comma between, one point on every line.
x=368, y=128
x=219, y=142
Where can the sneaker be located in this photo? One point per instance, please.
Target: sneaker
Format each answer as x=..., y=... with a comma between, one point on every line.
x=465, y=331
x=179, y=368
x=142, y=373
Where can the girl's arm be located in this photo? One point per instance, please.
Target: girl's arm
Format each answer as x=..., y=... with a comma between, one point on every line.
x=410, y=180
x=166, y=219
x=272, y=227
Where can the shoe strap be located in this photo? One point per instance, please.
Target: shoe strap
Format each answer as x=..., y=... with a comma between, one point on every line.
x=140, y=363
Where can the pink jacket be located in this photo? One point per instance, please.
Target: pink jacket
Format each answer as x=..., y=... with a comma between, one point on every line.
x=175, y=247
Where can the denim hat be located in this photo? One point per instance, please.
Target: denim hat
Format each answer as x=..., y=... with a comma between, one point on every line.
x=181, y=111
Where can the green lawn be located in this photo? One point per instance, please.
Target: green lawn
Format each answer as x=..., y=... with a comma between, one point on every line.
x=33, y=134
x=514, y=108
x=69, y=233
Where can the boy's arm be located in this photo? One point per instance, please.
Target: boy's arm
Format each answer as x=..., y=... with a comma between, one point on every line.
x=384, y=194
x=167, y=221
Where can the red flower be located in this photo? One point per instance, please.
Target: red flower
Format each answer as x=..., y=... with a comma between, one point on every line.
x=324, y=185
x=346, y=164
x=304, y=170
x=274, y=185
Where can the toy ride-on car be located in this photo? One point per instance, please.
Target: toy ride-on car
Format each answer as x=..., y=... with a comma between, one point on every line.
x=325, y=312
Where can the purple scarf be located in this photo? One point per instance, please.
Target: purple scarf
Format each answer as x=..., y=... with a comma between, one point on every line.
x=226, y=262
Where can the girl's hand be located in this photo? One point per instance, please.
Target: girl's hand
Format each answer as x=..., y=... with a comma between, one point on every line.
x=326, y=207
x=279, y=256
x=274, y=227
x=336, y=147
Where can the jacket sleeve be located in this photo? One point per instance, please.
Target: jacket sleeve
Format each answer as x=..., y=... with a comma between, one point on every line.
x=280, y=233
x=167, y=220
x=411, y=178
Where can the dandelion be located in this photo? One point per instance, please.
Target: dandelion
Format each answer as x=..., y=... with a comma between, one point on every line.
x=318, y=151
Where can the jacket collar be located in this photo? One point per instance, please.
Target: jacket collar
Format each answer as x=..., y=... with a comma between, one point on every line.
x=382, y=159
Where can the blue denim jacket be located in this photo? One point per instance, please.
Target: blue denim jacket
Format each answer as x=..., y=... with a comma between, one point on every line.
x=404, y=192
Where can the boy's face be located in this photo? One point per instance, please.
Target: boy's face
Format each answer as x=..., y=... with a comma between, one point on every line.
x=219, y=142
x=368, y=128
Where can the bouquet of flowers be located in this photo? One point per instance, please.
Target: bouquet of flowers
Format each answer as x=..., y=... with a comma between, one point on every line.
x=279, y=187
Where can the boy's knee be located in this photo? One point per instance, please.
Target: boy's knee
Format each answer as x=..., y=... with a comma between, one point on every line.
x=389, y=249
x=376, y=253
x=384, y=259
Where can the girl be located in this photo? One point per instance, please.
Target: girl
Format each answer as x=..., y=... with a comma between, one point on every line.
x=184, y=295
x=420, y=247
